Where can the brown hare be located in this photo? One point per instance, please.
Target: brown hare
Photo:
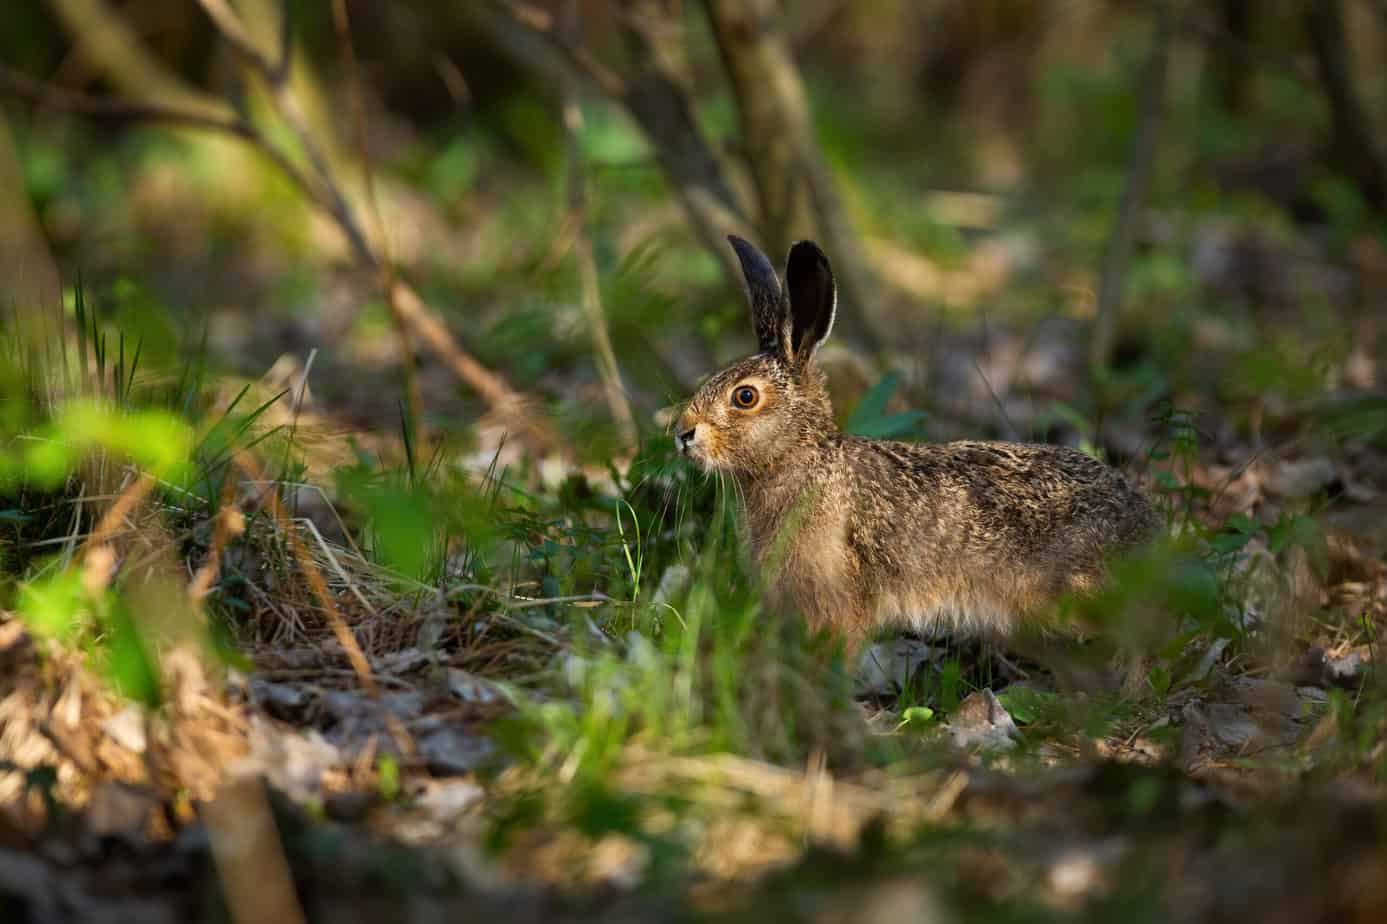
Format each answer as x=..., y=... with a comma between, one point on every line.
x=863, y=534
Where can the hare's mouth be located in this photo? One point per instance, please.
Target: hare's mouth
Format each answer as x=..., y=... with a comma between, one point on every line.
x=697, y=453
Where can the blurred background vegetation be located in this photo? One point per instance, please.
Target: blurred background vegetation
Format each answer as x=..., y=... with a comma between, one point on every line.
x=1022, y=193
x=341, y=342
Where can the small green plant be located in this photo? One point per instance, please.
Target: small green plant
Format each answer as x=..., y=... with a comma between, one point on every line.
x=916, y=717
x=871, y=419
x=1029, y=705
x=1174, y=457
x=88, y=426
x=388, y=777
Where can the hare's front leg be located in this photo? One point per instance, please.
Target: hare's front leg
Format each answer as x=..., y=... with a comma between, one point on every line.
x=842, y=613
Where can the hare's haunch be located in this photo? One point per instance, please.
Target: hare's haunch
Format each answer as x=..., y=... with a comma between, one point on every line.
x=858, y=534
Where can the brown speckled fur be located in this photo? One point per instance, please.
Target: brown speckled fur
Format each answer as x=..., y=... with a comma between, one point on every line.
x=859, y=534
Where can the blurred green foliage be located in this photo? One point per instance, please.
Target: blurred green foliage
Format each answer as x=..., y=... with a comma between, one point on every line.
x=205, y=259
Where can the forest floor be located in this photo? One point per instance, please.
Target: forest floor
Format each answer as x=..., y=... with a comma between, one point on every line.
x=344, y=668
x=1241, y=775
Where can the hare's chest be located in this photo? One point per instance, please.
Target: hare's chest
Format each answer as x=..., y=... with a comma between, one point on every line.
x=805, y=561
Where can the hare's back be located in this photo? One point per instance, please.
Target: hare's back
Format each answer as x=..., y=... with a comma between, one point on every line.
x=1029, y=494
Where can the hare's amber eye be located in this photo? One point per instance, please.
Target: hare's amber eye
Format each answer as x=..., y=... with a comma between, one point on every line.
x=745, y=397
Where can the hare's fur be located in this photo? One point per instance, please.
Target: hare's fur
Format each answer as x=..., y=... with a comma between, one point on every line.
x=859, y=534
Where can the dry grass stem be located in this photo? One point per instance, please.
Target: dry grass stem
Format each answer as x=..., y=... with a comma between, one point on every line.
x=326, y=602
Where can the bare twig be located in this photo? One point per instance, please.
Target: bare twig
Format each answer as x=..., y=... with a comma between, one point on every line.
x=506, y=403
x=106, y=40
x=341, y=572
x=47, y=95
x=660, y=99
x=414, y=401
x=1140, y=169
x=237, y=37
x=319, y=183
x=229, y=522
x=285, y=44
x=233, y=31
x=591, y=294
x=129, y=499
x=98, y=558
x=541, y=23
x=657, y=97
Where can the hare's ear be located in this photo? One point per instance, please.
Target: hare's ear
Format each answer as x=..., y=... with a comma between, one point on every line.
x=763, y=291
x=813, y=299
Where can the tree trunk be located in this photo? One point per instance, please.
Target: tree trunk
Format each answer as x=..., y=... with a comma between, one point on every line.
x=1353, y=149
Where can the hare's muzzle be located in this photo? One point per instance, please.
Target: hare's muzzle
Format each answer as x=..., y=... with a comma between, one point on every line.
x=685, y=439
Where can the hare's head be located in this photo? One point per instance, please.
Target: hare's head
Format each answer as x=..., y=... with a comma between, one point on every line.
x=752, y=414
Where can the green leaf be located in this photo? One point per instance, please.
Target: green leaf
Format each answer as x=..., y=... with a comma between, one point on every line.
x=47, y=463
x=155, y=440
x=54, y=607
x=404, y=525
x=1225, y=543
x=1291, y=530
x=1242, y=523
x=388, y=777
x=950, y=684
x=1159, y=677
x=870, y=419
x=1025, y=703
x=916, y=716
x=873, y=403
x=127, y=661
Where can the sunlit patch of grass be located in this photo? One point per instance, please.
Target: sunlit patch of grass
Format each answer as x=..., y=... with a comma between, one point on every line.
x=124, y=485
x=691, y=668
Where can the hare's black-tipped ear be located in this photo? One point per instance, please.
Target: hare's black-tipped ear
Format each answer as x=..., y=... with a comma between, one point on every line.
x=813, y=299
x=764, y=293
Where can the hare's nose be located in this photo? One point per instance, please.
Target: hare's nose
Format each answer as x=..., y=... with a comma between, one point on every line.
x=687, y=437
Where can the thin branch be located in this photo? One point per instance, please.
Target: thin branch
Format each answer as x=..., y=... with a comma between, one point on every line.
x=234, y=32
x=660, y=98
x=506, y=403
x=541, y=23
x=47, y=95
x=106, y=41
x=130, y=498
x=657, y=98
x=591, y=294
x=1140, y=169
x=414, y=401
x=321, y=186
x=284, y=54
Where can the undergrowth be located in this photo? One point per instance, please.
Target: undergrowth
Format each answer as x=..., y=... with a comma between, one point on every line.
x=628, y=590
